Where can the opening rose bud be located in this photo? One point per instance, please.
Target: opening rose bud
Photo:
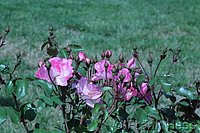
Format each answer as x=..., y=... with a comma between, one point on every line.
x=82, y=56
x=131, y=63
x=95, y=59
x=40, y=63
x=88, y=62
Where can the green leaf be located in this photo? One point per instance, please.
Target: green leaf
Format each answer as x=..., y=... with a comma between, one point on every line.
x=106, y=88
x=111, y=125
x=123, y=114
x=21, y=88
x=47, y=100
x=154, y=128
x=75, y=48
x=184, y=103
x=63, y=53
x=57, y=100
x=80, y=129
x=166, y=86
x=184, y=127
x=188, y=93
x=92, y=126
x=140, y=115
x=4, y=69
x=82, y=71
x=96, y=108
x=46, y=86
x=9, y=88
x=45, y=131
x=41, y=105
x=31, y=78
x=2, y=115
x=40, y=131
x=197, y=128
x=13, y=114
x=152, y=112
x=153, y=81
x=140, y=79
x=106, y=114
x=164, y=126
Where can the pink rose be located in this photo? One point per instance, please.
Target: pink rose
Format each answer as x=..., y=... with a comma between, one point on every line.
x=82, y=56
x=61, y=71
x=89, y=92
x=126, y=73
x=101, y=71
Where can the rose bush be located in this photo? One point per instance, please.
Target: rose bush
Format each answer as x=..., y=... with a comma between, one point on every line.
x=99, y=95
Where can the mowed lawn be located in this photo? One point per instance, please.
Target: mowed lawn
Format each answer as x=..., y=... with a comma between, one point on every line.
x=98, y=25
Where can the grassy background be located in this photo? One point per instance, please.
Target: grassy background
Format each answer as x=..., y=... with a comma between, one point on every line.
x=104, y=24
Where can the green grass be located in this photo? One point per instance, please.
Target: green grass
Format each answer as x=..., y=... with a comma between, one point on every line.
x=105, y=24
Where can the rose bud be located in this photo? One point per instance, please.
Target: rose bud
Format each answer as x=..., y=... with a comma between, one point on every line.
x=71, y=56
x=82, y=56
x=95, y=59
x=106, y=65
x=121, y=58
x=108, y=54
x=68, y=49
x=40, y=63
x=77, y=59
x=103, y=55
x=88, y=62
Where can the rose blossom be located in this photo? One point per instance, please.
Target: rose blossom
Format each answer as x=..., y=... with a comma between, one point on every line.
x=101, y=71
x=89, y=92
x=126, y=73
x=60, y=71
